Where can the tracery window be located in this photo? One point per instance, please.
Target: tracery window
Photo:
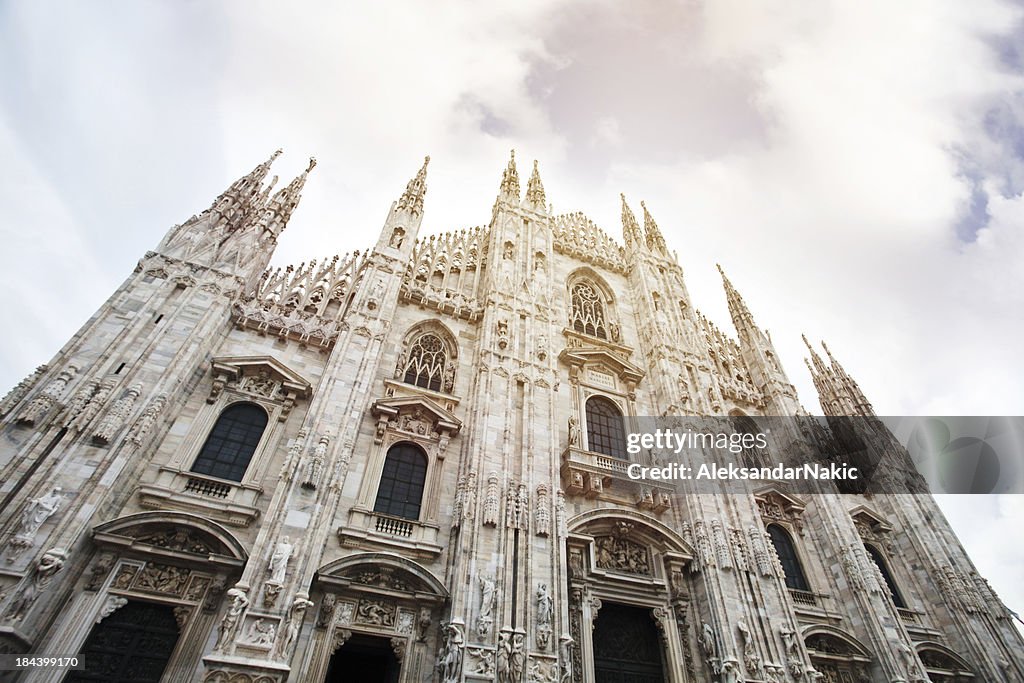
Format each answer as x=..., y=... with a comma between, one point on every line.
x=890, y=583
x=588, y=311
x=232, y=442
x=400, y=492
x=786, y=551
x=606, y=431
x=426, y=364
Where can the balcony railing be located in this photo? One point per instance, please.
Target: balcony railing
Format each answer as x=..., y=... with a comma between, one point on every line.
x=803, y=597
x=393, y=526
x=205, y=487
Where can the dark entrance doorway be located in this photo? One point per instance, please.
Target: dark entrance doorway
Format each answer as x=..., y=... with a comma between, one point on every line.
x=363, y=658
x=132, y=645
x=627, y=648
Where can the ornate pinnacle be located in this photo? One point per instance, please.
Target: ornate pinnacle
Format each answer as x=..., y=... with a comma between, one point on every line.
x=535, y=188
x=741, y=317
x=412, y=198
x=654, y=238
x=510, y=178
x=630, y=229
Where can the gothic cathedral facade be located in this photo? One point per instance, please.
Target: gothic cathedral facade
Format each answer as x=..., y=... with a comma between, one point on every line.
x=406, y=465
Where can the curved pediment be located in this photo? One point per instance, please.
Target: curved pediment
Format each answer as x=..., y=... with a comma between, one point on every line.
x=382, y=573
x=635, y=525
x=179, y=534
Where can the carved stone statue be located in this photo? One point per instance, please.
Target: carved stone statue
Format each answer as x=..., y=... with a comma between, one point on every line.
x=790, y=641
x=450, y=660
x=36, y=512
x=279, y=561
x=230, y=623
x=423, y=622
x=575, y=433
x=260, y=633
x=545, y=605
x=33, y=585
x=292, y=628
x=485, y=620
x=707, y=640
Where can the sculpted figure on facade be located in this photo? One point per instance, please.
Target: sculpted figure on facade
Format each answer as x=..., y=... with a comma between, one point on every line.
x=36, y=583
x=232, y=620
x=485, y=620
x=292, y=626
x=575, y=433
x=278, y=564
x=450, y=660
x=35, y=514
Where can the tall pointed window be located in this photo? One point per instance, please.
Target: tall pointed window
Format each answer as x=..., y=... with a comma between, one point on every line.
x=890, y=583
x=426, y=364
x=786, y=551
x=232, y=442
x=400, y=493
x=588, y=311
x=606, y=431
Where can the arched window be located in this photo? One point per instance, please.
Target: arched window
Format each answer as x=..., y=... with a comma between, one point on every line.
x=606, y=432
x=232, y=442
x=897, y=599
x=401, y=483
x=784, y=548
x=131, y=645
x=426, y=364
x=588, y=314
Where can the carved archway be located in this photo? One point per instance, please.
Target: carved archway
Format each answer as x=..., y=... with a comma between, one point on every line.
x=377, y=594
x=837, y=654
x=943, y=665
x=627, y=558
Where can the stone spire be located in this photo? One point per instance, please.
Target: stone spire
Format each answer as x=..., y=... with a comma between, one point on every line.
x=233, y=207
x=655, y=242
x=510, y=179
x=741, y=316
x=412, y=198
x=278, y=210
x=535, y=189
x=630, y=229
x=838, y=393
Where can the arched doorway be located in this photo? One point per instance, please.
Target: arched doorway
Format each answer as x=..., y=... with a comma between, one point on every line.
x=364, y=658
x=131, y=645
x=627, y=647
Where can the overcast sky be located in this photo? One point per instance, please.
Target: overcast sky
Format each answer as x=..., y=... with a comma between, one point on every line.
x=856, y=167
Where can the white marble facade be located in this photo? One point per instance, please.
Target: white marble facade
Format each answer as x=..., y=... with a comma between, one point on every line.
x=480, y=350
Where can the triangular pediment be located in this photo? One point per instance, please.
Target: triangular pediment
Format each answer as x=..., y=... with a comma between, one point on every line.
x=873, y=520
x=444, y=420
x=241, y=366
x=788, y=502
x=605, y=359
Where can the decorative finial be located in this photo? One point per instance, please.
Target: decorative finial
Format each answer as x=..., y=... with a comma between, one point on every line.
x=312, y=164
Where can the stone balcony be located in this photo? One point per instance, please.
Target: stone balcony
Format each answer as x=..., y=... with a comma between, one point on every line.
x=229, y=502
x=370, y=529
x=597, y=475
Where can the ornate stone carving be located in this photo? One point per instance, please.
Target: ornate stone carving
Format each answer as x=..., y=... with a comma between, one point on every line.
x=485, y=619
x=751, y=660
x=722, y=554
x=98, y=573
x=278, y=564
x=162, y=578
x=260, y=634
x=545, y=613
x=491, y=502
x=376, y=612
x=483, y=661
x=449, y=661
x=621, y=554
x=117, y=415
x=145, y=423
x=326, y=614
x=214, y=593
x=47, y=398
x=314, y=468
x=35, y=514
x=517, y=506
x=542, y=519
x=423, y=622
x=35, y=583
x=110, y=605
x=510, y=657
x=180, y=538
x=19, y=391
x=291, y=628
x=232, y=620
x=575, y=433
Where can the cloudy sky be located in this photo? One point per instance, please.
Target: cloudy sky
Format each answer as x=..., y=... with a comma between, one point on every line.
x=856, y=167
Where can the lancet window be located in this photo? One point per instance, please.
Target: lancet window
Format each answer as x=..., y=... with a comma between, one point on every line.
x=428, y=362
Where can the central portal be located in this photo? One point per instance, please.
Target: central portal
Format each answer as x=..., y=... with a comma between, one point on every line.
x=627, y=648
x=366, y=659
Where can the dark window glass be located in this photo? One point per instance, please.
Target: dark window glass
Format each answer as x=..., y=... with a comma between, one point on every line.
x=232, y=442
x=795, y=578
x=897, y=599
x=401, y=483
x=606, y=432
